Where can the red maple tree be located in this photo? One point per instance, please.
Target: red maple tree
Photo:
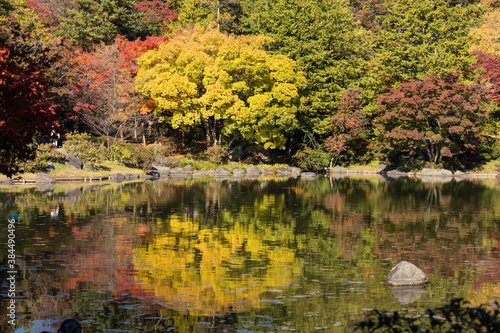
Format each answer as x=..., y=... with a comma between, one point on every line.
x=103, y=88
x=26, y=110
x=437, y=119
x=491, y=66
x=348, y=126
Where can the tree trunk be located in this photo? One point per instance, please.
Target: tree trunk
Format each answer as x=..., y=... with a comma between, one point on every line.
x=109, y=146
x=332, y=164
x=135, y=128
x=218, y=15
x=206, y=122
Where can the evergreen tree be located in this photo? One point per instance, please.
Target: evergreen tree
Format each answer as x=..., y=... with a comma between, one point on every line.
x=96, y=21
x=423, y=37
x=322, y=37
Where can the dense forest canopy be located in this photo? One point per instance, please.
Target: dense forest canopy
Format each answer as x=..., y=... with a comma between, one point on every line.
x=313, y=82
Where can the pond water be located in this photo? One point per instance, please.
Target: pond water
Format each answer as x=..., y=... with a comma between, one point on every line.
x=268, y=255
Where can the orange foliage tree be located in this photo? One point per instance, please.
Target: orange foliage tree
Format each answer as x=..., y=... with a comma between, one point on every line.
x=103, y=89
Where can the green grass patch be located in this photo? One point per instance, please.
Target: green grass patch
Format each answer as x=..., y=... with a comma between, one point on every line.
x=106, y=169
x=372, y=166
x=492, y=166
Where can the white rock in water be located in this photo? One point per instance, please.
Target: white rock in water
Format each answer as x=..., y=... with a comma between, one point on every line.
x=406, y=274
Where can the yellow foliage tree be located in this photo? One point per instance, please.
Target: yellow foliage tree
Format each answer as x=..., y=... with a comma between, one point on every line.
x=227, y=83
x=486, y=37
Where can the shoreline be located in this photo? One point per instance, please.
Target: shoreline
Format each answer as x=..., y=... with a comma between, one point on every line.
x=98, y=179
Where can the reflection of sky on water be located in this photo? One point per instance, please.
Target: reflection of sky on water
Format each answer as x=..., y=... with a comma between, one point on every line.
x=40, y=325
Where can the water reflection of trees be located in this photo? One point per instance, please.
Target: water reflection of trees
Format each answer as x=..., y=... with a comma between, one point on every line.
x=440, y=227
x=339, y=232
x=208, y=271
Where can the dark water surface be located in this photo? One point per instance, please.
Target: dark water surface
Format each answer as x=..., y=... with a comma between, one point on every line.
x=244, y=256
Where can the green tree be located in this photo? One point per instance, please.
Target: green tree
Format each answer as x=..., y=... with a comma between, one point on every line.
x=221, y=13
x=96, y=21
x=228, y=84
x=423, y=37
x=324, y=40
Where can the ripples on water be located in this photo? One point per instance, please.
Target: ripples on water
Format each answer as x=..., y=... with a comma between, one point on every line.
x=245, y=256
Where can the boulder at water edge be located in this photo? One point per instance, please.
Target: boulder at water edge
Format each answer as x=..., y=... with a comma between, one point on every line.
x=338, y=169
x=222, y=173
x=239, y=172
x=6, y=181
x=44, y=178
x=131, y=176
x=295, y=171
x=436, y=172
x=406, y=274
x=117, y=177
x=253, y=170
x=200, y=173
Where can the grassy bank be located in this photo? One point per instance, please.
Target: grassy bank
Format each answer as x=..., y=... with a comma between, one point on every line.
x=107, y=168
x=63, y=171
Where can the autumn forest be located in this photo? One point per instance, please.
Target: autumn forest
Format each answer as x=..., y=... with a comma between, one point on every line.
x=311, y=83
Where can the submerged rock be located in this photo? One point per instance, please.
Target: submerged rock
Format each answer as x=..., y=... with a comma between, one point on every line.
x=220, y=177
x=338, y=176
x=406, y=274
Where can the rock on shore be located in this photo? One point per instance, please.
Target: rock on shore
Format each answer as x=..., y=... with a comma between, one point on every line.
x=426, y=172
x=44, y=178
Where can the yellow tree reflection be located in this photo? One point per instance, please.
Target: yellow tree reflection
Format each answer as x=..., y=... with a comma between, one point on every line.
x=209, y=271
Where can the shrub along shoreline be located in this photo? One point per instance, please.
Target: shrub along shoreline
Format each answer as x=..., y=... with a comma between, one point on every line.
x=188, y=167
x=83, y=156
